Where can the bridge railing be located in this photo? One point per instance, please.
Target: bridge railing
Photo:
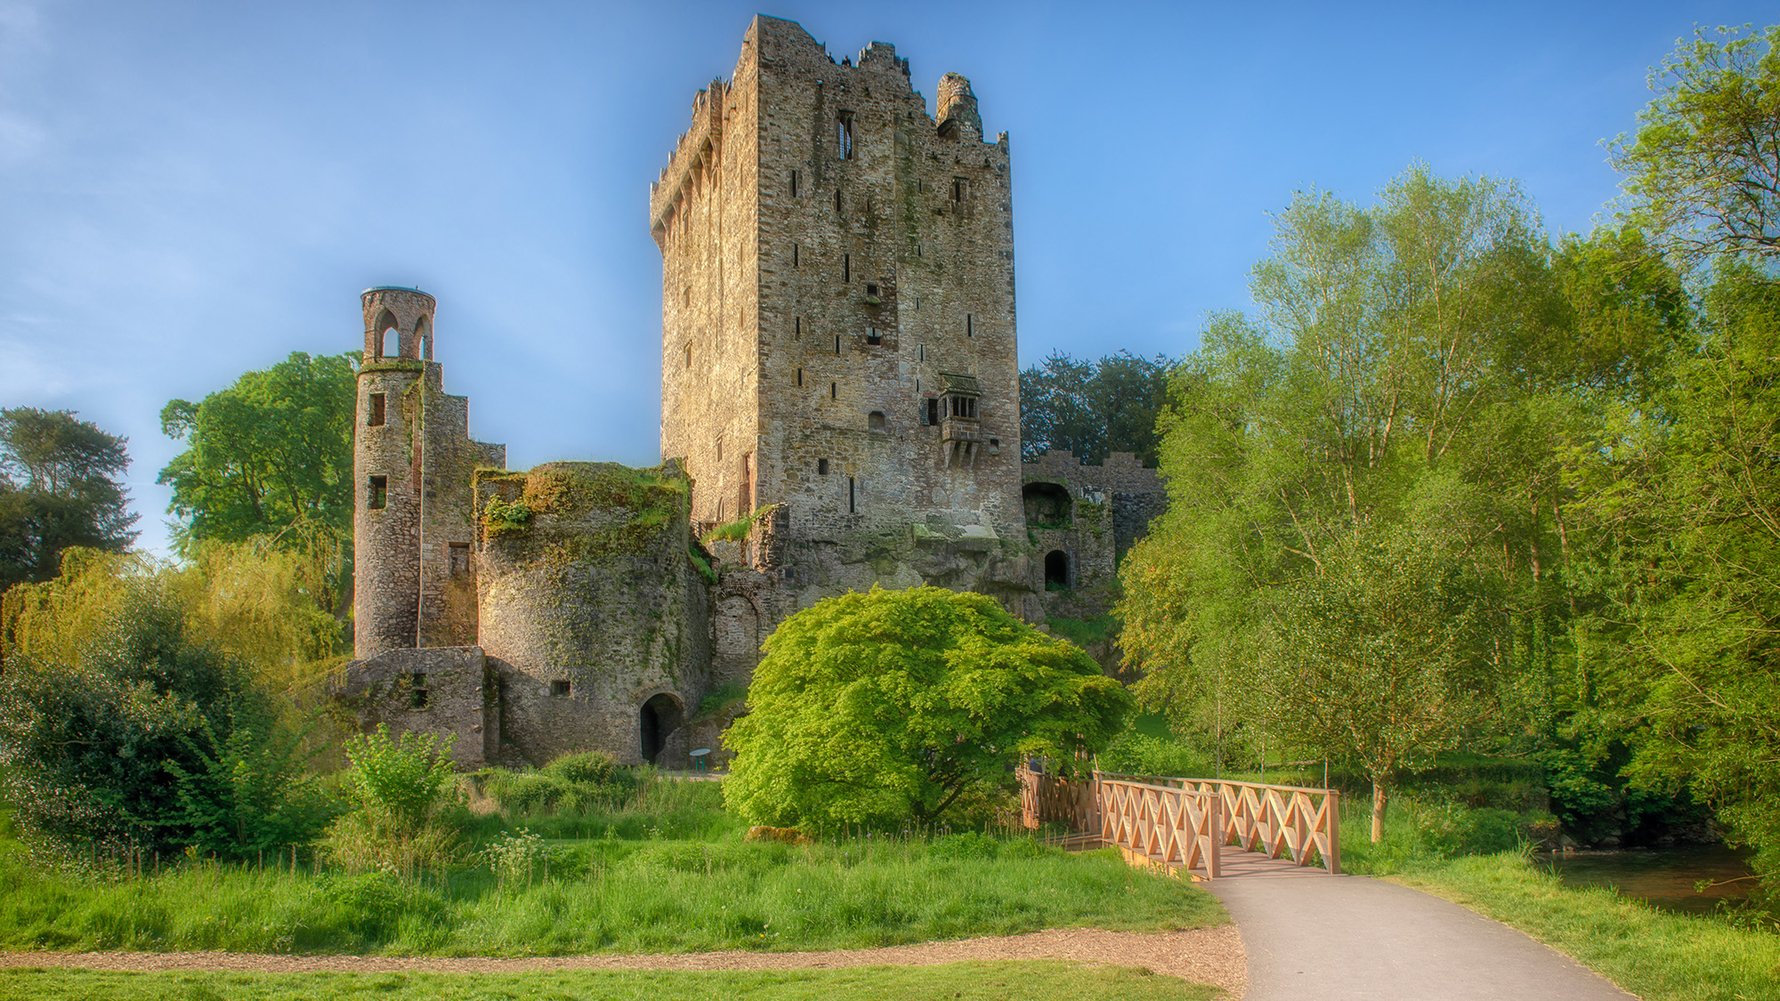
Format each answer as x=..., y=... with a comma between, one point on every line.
x=1186, y=822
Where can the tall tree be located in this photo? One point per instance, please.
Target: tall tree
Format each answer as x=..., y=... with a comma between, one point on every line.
x=59, y=487
x=1703, y=171
x=270, y=456
x=1092, y=408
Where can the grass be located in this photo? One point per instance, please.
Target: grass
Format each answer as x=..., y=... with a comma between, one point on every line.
x=1055, y=981
x=667, y=871
x=1656, y=955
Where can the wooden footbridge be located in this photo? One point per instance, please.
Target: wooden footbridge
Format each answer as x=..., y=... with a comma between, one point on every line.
x=1185, y=825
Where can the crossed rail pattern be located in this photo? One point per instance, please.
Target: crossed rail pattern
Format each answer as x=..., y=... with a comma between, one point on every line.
x=1184, y=823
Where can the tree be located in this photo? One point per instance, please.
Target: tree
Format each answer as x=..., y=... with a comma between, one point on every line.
x=1092, y=408
x=58, y=488
x=271, y=456
x=1348, y=511
x=889, y=707
x=1703, y=172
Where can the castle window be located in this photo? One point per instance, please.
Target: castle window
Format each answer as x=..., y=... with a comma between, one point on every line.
x=458, y=558
x=686, y=296
x=560, y=688
x=821, y=467
x=872, y=336
x=378, y=402
x=391, y=343
x=843, y=134
x=970, y=325
x=834, y=391
x=837, y=344
x=837, y=202
x=871, y=289
x=800, y=377
x=921, y=351
x=933, y=410
x=794, y=255
x=964, y=407
x=688, y=356
x=797, y=328
x=960, y=190
x=418, y=696
x=875, y=421
x=379, y=493
x=794, y=184
x=720, y=450
x=852, y=495
x=846, y=267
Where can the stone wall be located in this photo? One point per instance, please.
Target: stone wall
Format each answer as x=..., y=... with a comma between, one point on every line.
x=590, y=606
x=831, y=254
x=1092, y=514
x=444, y=690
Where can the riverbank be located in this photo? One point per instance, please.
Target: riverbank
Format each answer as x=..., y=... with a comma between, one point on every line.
x=1657, y=955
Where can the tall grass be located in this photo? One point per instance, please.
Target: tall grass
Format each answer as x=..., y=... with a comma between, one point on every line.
x=665, y=870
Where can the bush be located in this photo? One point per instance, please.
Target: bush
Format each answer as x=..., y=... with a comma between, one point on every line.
x=1134, y=753
x=573, y=783
x=888, y=708
x=403, y=792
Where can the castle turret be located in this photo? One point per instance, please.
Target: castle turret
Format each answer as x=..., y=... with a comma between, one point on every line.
x=957, y=109
x=413, y=579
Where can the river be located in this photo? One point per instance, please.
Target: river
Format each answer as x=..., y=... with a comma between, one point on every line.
x=1663, y=876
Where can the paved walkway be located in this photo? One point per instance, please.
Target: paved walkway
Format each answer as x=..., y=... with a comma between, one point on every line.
x=1311, y=936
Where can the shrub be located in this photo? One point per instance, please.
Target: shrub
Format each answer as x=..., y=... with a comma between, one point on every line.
x=1134, y=753
x=573, y=783
x=514, y=857
x=402, y=792
x=890, y=707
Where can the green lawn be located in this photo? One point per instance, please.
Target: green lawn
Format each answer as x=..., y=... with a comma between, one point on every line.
x=679, y=879
x=1052, y=981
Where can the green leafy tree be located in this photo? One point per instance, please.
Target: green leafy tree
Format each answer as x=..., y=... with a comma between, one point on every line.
x=270, y=456
x=888, y=707
x=1092, y=408
x=1703, y=171
x=59, y=487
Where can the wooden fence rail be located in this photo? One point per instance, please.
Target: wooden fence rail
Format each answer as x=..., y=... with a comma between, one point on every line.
x=1184, y=823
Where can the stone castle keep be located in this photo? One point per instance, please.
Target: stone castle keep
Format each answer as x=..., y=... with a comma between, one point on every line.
x=840, y=408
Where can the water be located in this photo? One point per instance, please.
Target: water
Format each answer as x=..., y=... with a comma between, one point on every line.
x=1664, y=877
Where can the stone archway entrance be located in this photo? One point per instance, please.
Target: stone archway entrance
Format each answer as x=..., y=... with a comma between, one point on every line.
x=659, y=717
x=1056, y=570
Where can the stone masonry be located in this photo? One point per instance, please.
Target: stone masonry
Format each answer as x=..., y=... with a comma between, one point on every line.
x=840, y=394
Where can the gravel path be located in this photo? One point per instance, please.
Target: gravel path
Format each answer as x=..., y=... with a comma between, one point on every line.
x=1202, y=955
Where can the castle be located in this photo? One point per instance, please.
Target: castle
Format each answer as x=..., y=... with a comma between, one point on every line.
x=840, y=408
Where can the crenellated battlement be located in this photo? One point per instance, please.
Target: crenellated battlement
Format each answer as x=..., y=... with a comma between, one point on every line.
x=696, y=147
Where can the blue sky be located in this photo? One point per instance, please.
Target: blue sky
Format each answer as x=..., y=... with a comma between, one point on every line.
x=192, y=190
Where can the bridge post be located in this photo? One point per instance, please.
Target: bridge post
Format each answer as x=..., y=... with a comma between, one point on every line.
x=1333, y=862
x=1214, y=826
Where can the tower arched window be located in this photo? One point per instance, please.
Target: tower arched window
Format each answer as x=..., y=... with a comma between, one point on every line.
x=391, y=344
x=875, y=421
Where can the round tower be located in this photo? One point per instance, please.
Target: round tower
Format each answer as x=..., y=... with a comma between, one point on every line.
x=386, y=468
x=957, y=108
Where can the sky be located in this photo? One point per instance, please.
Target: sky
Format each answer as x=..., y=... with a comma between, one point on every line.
x=189, y=191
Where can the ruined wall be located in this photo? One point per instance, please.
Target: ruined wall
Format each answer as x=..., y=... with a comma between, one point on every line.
x=589, y=605
x=413, y=559
x=444, y=690
x=1104, y=510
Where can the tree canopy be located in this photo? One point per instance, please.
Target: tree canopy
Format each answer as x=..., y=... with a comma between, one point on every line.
x=59, y=488
x=1092, y=408
x=890, y=707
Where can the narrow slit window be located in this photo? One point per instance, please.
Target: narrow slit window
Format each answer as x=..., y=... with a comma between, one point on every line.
x=837, y=202
x=795, y=254
x=846, y=267
x=800, y=377
x=837, y=344
x=378, y=402
x=379, y=493
x=843, y=134
x=418, y=696
x=797, y=328
x=794, y=184
x=688, y=356
x=821, y=467
x=852, y=495
x=933, y=410
x=970, y=325
x=834, y=391
x=921, y=352
x=960, y=190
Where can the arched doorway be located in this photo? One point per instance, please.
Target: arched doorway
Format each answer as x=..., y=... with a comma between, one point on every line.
x=1056, y=570
x=660, y=716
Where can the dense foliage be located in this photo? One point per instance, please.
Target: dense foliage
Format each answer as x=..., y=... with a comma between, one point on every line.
x=887, y=707
x=123, y=728
x=1092, y=407
x=59, y=488
x=271, y=457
